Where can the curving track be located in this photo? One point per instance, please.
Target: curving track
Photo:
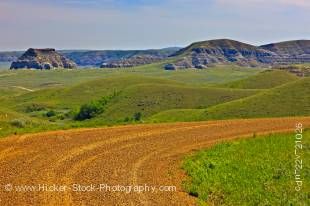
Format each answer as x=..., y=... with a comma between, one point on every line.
x=125, y=155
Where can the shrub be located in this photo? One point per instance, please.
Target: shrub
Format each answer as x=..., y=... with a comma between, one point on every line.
x=61, y=116
x=51, y=113
x=34, y=108
x=90, y=110
x=19, y=123
x=94, y=108
x=137, y=116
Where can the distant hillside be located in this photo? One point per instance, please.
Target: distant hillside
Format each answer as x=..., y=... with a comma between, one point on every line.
x=225, y=51
x=97, y=58
x=222, y=51
x=289, y=48
x=199, y=55
x=133, y=61
x=290, y=51
x=10, y=56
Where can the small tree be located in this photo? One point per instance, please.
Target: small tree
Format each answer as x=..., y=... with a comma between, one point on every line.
x=88, y=111
x=94, y=108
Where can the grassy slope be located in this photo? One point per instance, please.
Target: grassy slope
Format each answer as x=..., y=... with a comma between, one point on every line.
x=10, y=91
x=145, y=95
x=152, y=98
x=264, y=80
x=249, y=172
x=292, y=99
x=55, y=88
x=72, y=97
x=212, y=76
x=12, y=122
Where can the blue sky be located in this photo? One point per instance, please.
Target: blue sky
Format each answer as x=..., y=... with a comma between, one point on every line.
x=141, y=24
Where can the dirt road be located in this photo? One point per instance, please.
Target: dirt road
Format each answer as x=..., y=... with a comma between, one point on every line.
x=55, y=168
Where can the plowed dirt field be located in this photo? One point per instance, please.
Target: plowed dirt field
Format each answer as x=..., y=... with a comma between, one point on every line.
x=105, y=166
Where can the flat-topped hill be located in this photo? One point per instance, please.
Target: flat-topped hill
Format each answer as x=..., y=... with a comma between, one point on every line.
x=42, y=59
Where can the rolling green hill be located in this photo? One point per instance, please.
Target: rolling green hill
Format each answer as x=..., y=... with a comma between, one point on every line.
x=291, y=99
x=264, y=80
x=149, y=99
x=132, y=94
x=74, y=96
x=45, y=100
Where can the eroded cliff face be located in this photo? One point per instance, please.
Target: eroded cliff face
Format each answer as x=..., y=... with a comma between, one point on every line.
x=202, y=54
x=290, y=52
x=42, y=59
x=133, y=61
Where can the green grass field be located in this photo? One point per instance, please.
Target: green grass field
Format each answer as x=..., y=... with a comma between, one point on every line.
x=46, y=100
x=264, y=80
x=257, y=171
x=57, y=78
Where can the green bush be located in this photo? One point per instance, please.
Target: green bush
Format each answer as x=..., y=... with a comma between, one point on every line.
x=94, y=108
x=137, y=116
x=127, y=119
x=90, y=110
x=51, y=113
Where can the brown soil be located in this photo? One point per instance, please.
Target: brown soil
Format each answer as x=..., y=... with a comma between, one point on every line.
x=126, y=155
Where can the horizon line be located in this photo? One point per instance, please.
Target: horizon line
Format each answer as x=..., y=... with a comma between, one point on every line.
x=154, y=48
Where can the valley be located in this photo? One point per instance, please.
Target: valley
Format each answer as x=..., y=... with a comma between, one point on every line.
x=154, y=103
x=134, y=123
x=45, y=100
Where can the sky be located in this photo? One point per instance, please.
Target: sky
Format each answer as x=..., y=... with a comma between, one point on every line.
x=143, y=24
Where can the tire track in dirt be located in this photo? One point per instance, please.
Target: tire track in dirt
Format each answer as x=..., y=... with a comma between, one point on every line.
x=50, y=176
x=94, y=146
x=126, y=155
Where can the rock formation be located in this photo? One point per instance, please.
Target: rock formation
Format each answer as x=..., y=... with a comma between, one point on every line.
x=224, y=51
x=99, y=57
x=42, y=59
x=133, y=61
x=290, y=52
